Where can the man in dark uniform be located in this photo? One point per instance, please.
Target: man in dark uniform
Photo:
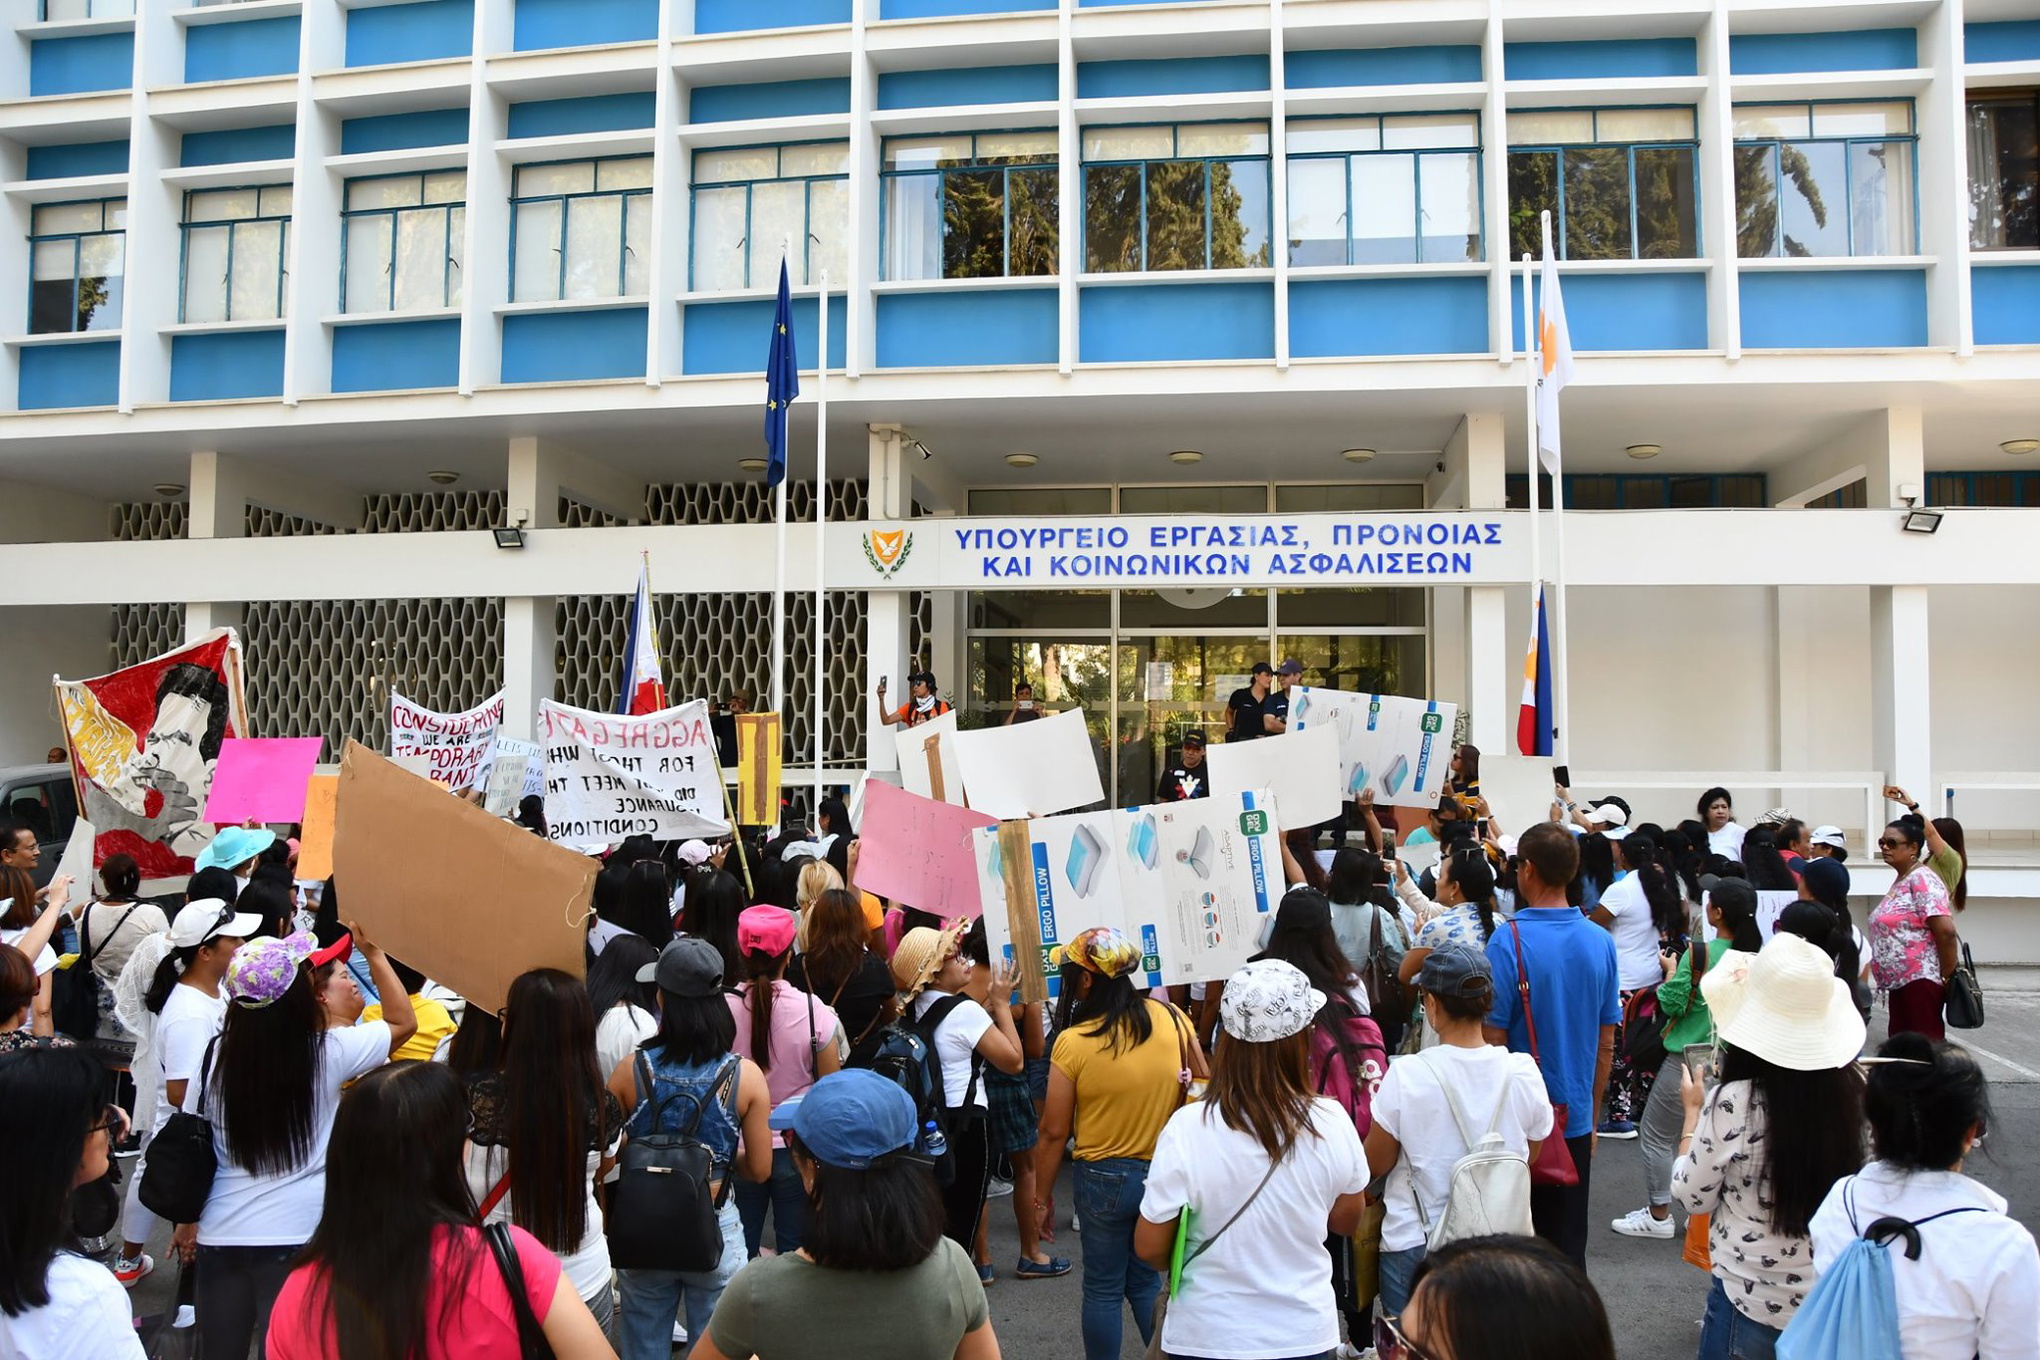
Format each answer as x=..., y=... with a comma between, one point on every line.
x=1243, y=710
x=1187, y=778
x=1275, y=708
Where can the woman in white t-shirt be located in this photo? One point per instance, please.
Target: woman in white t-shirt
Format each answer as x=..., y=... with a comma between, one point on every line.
x=1428, y=1097
x=1644, y=912
x=290, y=1043
x=1265, y=1169
x=931, y=971
x=626, y=1010
x=1717, y=816
x=58, y=1132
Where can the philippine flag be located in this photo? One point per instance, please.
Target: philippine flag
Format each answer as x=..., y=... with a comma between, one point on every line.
x=1533, y=720
x=642, y=690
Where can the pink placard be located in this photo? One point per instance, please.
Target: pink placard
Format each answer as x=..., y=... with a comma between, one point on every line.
x=917, y=851
x=261, y=779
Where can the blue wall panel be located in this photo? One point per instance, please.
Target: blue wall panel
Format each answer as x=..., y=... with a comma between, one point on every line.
x=219, y=365
x=739, y=16
x=593, y=113
x=69, y=159
x=1870, y=49
x=1163, y=322
x=93, y=61
x=1628, y=311
x=399, y=131
x=1833, y=309
x=935, y=9
x=1600, y=60
x=769, y=99
x=240, y=49
x=394, y=356
x=229, y=146
x=733, y=337
x=1174, y=75
x=584, y=23
x=391, y=33
x=571, y=346
x=949, y=330
x=1334, y=317
x=57, y=376
x=2016, y=41
x=970, y=85
x=2006, y=304
x=1381, y=66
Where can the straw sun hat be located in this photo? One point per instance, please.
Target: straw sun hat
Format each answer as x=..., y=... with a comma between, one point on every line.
x=921, y=954
x=1785, y=1005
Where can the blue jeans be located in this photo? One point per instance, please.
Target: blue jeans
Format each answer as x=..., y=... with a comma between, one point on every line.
x=1108, y=1207
x=649, y=1300
x=1394, y=1273
x=788, y=1200
x=1725, y=1334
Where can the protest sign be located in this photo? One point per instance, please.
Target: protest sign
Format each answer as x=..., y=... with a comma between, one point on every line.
x=515, y=770
x=928, y=760
x=454, y=745
x=1518, y=791
x=261, y=779
x=1401, y=748
x=1192, y=883
x=489, y=902
x=759, y=756
x=1030, y=769
x=1300, y=768
x=611, y=775
x=143, y=743
x=917, y=851
x=1771, y=904
x=315, y=831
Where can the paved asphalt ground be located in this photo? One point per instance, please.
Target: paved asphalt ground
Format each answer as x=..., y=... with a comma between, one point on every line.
x=1654, y=1299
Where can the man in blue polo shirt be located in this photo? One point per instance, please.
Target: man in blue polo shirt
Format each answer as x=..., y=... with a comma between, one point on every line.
x=1574, y=983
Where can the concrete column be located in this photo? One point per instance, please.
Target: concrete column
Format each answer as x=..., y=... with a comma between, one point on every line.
x=1901, y=724
x=1469, y=624
x=887, y=620
x=1887, y=449
x=530, y=640
x=541, y=472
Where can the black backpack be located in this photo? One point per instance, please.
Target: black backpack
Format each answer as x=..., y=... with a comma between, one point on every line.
x=662, y=1216
x=74, y=991
x=905, y=1055
x=178, y=1172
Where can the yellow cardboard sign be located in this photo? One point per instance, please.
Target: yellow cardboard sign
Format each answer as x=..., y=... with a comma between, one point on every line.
x=759, y=758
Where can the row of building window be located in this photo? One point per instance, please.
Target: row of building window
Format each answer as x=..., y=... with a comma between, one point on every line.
x=1812, y=180
x=1751, y=490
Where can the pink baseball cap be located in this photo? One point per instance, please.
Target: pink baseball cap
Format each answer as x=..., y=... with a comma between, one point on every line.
x=766, y=929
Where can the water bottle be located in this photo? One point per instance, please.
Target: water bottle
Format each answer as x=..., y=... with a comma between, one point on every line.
x=932, y=1141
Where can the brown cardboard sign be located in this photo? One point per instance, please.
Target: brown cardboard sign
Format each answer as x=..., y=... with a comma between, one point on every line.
x=467, y=899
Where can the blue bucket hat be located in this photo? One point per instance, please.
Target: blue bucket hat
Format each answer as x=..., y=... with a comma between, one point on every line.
x=850, y=1119
x=234, y=845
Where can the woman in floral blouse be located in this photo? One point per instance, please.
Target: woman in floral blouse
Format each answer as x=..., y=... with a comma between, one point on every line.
x=1912, y=934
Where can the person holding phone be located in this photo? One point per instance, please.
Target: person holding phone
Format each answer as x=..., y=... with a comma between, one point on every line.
x=922, y=705
x=1023, y=709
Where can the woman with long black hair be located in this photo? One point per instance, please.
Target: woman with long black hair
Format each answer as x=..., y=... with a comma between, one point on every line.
x=1764, y=863
x=1642, y=909
x=399, y=1269
x=1824, y=887
x=841, y=968
x=542, y=1129
x=645, y=908
x=289, y=1045
x=626, y=1010
x=714, y=902
x=1464, y=911
x=1372, y=933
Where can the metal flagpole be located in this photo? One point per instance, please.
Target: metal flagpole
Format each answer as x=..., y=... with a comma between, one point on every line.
x=821, y=625
x=779, y=570
x=1530, y=429
x=1561, y=678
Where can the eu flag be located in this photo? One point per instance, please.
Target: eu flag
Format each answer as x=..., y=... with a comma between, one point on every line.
x=782, y=383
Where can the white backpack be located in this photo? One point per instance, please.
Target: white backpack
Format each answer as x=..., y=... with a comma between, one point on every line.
x=1489, y=1191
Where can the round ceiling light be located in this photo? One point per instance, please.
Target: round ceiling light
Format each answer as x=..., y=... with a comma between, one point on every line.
x=752, y=464
x=1185, y=457
x=169, y=490
x=2018, y=448
x=1357, y=455
x=1644, y=450
x=442, y=477
x=1021, y=460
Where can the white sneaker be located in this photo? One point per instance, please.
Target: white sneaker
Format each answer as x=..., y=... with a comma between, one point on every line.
x=679, y=1334
x=996, y=1188
x=1642, y=1223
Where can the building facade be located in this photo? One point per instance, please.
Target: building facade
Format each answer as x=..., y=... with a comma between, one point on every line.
x=311, y=295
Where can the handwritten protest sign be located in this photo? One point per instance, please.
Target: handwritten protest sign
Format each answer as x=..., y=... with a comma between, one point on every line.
x=516, y=769
x=917, y=851
x=1771, y=904
x=1300, y=768
x=1401, y=748
x=928, y=760
x=758, y=765
x=261, y=779
x=610, y=775
x=315, y=837
x=490, y=902
x=453, y=744
x=1191, y=883
x=1029, y=769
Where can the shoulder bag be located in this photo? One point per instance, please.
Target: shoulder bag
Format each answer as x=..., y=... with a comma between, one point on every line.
x=1962, y=1008
x=74, y=1008
x=1554, y=1163
x=1174, y=1284
x=531, y=1342
x=178, y=1171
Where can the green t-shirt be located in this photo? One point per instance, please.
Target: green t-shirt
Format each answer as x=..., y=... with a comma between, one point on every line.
x=1678, y=997
x=789, y=1308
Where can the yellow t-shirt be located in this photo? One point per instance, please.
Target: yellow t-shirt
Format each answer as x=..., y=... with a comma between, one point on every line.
x=1123, y=1098
x=874, y=911
x=435, y=1025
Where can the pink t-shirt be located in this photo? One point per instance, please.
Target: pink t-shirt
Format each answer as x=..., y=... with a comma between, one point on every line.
x=793, y=1057
x=482, y=1325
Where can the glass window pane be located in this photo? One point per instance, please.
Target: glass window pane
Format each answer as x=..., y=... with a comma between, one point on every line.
x=814, y=158
x=1042, y=500
x=52, y=273
x=421, y=259
x=1333, y=134
x=535, y=265
x=1881, y=197
x=1665, y=217
x=56, y=219
x=724, y=167
x=1551, y=127
x=1756, y=122
x=1364, y=608
x=456, y=253
x=102, y=282
x=719, y=239
x=1239, y=215
x=829, y=222
x=1222, y=139
x=446, y=186
x=392, y=191
x=219, y=205
x=637, y=245
x=1317, y=211
x=1384, y=209
x=974, y=224
x=274, y=201
x=1298, y=499
x=1016, y=147
x=1756, y=201
x=1176, y=214
x=779, y=228
x=1173, y=500
x=634, y=172
x=1643, y=125
x=1413, y=130
x=1597, y=204
x=116, y=213
x=913, y=226
x=1863, y=120
x=1129, y=143
x=1533, y=190
x=1814, y=219
x=205, y=275
x=926, y=153
x=595, y=246
x=570, y=177
x=1450, y=184
x=1034, y=227
x=369, y=254
x=256, y=290
x=1112, y=223
x=2004, y=167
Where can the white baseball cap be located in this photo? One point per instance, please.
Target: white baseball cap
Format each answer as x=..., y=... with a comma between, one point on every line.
x=1829, y=836
x=209, y=918
x=1608, y=814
